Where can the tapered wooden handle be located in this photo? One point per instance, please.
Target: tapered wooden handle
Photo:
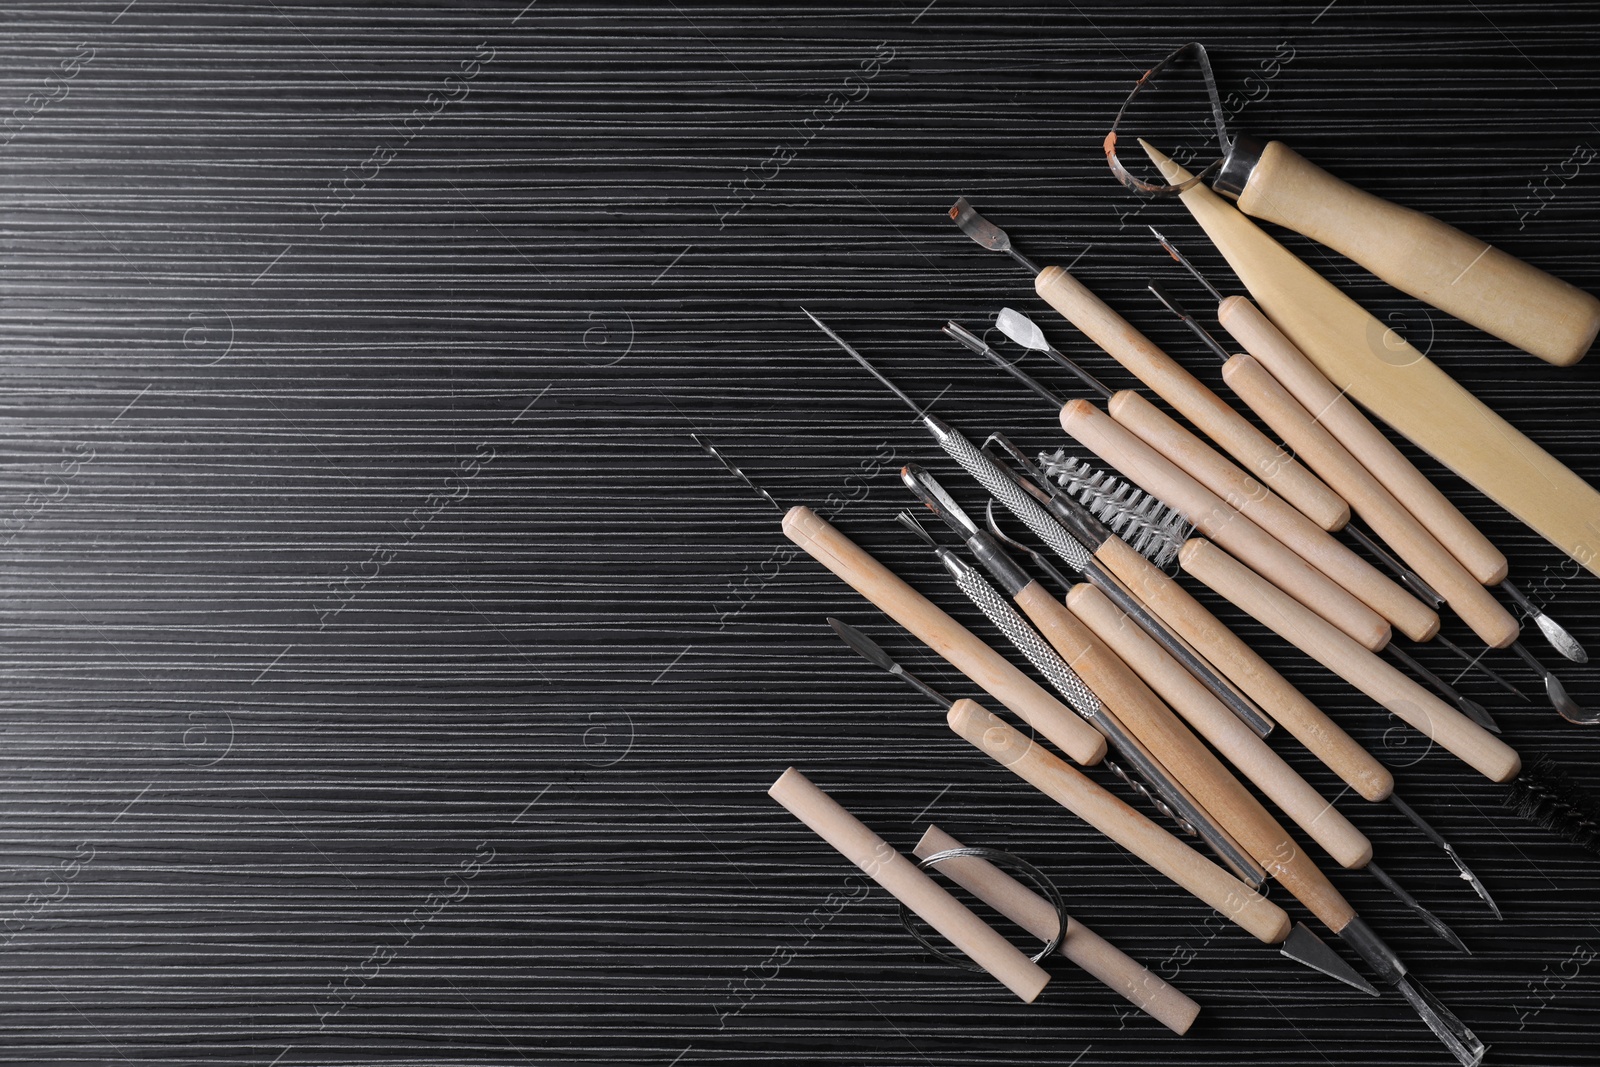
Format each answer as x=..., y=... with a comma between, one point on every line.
x=958, y=645
x=1333, y=410
x=1237, y=743
x=1119, y=972
x=1453, y=731
x=1242, y=666
x=916, y=890
x=1274, y=515
x=1398, y=384
x=1419, y=255
x=1157, y=475
x=1068, y=787
x=1387, y=516
x=1172, y=383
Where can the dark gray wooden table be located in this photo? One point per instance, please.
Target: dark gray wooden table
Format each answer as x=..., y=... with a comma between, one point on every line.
x=387, y=677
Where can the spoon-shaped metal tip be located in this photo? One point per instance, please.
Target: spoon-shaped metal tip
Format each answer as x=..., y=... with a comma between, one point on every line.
x=1560, y=640
x=986, y=233
x=1565, y=706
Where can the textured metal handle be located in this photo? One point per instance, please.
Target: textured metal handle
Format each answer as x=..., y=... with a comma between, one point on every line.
x=990, y=475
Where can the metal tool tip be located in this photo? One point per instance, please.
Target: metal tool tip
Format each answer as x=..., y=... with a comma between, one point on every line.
x=965, y=336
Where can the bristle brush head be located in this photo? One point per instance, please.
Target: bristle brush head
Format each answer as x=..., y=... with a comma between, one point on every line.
x=1547, y=796
x=1153, y=529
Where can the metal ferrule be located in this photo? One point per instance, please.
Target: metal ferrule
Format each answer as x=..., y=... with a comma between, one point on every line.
x=1078, y=520
x=1007, y=572
x=958, y=568
x=1370, y=947
x=1238, y=165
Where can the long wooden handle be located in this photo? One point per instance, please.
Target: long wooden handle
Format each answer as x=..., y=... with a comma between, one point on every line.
x=1172, y=383
x=1388, y=518
x=1400, y=385
x=1254, y=758
x=909, y=884
x=1332, y=409
x=1197, y=769
x=1242, y=666
x=1059, y=781
x=959, y=646
x=1273, y=514
x=1113, y=967
x=1456, y=733
x=1419, y=255
x=1157, y=475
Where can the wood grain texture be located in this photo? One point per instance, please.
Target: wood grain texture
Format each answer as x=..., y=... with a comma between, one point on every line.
x=393, y=561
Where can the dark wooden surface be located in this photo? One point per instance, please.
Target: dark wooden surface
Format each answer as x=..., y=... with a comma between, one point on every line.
x=388, y=679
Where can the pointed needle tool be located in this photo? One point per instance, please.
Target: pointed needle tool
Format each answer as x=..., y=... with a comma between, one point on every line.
x=1372, y=451
x=1437, y=838
x=711, y=450
x=1301, y=944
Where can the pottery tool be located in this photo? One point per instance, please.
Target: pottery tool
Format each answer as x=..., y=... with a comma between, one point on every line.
x=1165, y=377
x=1149, y=534
x=964, y=651
x=1371, y=450
x=1150, y=468
x=1104, y=961
x=1025, y=332
x=1132, y=676
x=1400, y=385
x=1235, y=900
x=1256, y=385
x=1240, y=491
x=1007, y=746
x=1548, y=799
x=1148, y=722
x=909, y=885
x=1415, y=253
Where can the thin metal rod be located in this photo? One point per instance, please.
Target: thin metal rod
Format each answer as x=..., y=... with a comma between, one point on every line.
x=1412, y=579
x=1190, y=267
x=1170, y=302
x=1474, y=710
x=1478, y=662
x=736, y=472
x=1437, y=838
x=1434, y=923
x=976, y=344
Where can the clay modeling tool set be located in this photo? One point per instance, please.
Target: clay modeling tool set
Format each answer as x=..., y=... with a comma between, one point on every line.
x=1149, y=682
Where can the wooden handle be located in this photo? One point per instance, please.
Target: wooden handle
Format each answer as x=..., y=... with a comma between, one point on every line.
x=1157, y=475
x=1421, y=256
x=909, y=884
x=1387, y=516
x=1477, y=747
x=1068, y=787
x=1258, y=455
x=1138, y=985
x=1226, y=651
x=1400, y=385
x=958, y=645
x=1332, y=409
x=1270, y=512
x=1293, y=795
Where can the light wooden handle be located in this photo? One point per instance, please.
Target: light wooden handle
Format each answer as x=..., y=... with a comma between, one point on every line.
x=1421, y=256
x=1475, y=746
x=1226, y=651
x=1118, y=971
x=1332, y=409
x=1387, y=516
x=1254, y=758
x=1269, y=511
x=1400, y=385
x=958, y=645
x=1172, y=383
x=1068, y=787
x=913, y=888
x=1157, y=475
